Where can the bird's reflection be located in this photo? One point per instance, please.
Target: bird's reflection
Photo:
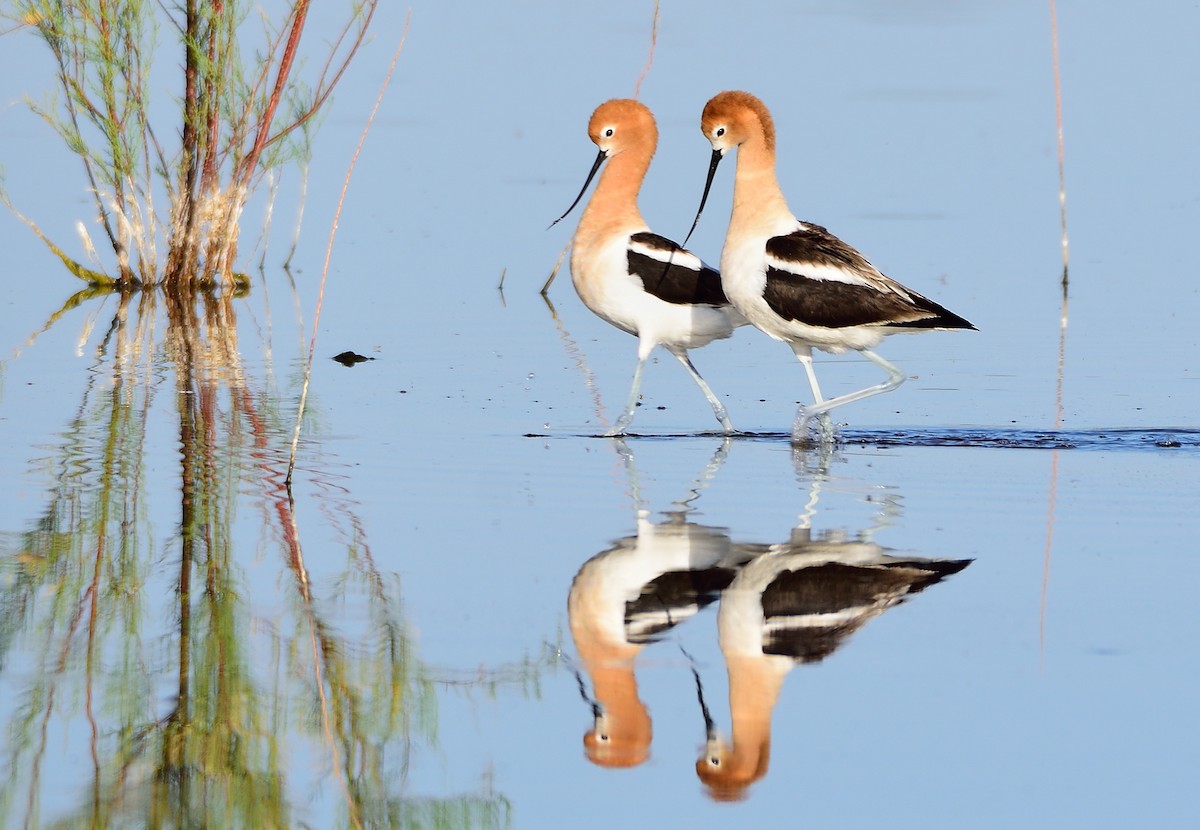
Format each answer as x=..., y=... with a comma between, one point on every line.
x=796, y=603
x=778, y=605
x=631, y=595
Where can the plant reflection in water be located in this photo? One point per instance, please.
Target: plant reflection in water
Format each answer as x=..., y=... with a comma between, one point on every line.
x=214, y=688
x=777, y=605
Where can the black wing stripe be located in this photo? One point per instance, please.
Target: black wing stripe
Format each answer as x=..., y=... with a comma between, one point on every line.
x=670, y=281
x=940, y=317
x=836, y=304
x=813, y=244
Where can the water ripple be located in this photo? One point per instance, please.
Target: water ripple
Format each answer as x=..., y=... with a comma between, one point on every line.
x=1151, y=438
x=1032, y=439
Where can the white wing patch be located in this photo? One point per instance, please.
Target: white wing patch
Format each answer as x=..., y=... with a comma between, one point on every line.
x=674, y=256
x=813, y=271
x=808, y=270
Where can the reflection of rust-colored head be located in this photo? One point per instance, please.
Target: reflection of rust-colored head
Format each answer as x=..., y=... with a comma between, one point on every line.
x=619, y=742
x=728, y=768
x=727, y=772
x=622, y=731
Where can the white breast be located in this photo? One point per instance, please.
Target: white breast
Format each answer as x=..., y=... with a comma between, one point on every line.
x=601, y=276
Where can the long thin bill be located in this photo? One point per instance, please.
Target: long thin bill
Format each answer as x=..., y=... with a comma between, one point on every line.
x=600, y=157
x=712, y=171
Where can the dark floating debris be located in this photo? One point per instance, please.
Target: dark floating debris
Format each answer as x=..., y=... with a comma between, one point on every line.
x=350, y=358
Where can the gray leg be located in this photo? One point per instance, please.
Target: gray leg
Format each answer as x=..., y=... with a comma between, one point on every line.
x=718, y=407
x=627, y=415
x=895, y=378
x=805, y=413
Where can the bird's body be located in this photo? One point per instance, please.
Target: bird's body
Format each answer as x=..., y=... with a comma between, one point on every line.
x=632, y=593
x=793, y=280
x=800, y=600
x=649, y=287
x=638, y=281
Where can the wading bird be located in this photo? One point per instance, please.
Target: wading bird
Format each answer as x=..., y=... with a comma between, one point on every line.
x=796, y=281
x=639, y=281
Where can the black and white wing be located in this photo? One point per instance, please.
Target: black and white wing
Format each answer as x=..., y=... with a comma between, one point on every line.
x=817, y=279
x=673, y=274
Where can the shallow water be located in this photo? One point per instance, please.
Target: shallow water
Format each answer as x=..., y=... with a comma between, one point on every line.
x=181, y=643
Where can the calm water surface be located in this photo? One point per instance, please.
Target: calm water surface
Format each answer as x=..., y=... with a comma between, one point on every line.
x=182, y=644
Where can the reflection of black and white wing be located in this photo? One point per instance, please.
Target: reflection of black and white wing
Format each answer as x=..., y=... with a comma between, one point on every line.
x=647, y=584
x=671, y=598
x=817, y=279
x=673, y=274
x=808, y=611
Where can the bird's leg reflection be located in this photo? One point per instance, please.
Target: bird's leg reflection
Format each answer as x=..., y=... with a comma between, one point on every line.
x=812, y=457
x=625, y=453
x=825, y=428
x=705, y=477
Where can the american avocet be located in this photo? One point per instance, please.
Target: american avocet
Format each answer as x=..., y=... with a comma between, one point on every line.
x=796, y=281
x=627, y=597
x=797, y=603
x=639, y=281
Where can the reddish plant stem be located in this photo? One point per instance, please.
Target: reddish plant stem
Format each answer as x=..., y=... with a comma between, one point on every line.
x=250, y=162
x=208, y=179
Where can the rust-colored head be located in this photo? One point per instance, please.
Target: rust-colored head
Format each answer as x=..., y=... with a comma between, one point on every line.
x=735, y=117
x=731, y=119
x=618, y=126
x=621, y=124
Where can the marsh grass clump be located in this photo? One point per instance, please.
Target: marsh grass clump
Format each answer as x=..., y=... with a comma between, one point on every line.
x=169, y=196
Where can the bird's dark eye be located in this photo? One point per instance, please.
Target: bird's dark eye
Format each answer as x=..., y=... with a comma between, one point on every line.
x=608, y=133
x=714, y=761
x=720, y=131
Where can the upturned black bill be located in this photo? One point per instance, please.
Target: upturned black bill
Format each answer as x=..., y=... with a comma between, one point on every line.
x=712, y=171
x=600, y=157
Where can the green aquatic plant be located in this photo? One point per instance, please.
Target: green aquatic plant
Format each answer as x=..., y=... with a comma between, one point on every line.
x=170, y=196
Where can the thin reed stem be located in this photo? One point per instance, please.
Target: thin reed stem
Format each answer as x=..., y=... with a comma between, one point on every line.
x=1058, y=121
x=557, y=266
x=312, y=343
x=637, y=88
